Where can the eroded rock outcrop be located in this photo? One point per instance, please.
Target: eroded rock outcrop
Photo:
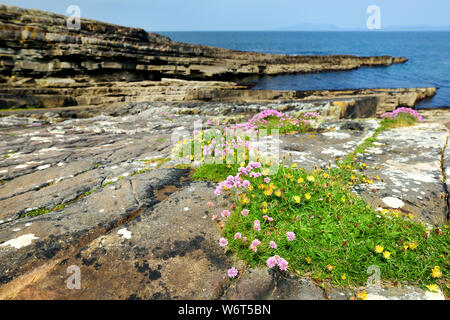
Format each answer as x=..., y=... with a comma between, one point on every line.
x=45, y=64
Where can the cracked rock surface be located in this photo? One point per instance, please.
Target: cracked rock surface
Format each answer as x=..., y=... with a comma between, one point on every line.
x=139, y=228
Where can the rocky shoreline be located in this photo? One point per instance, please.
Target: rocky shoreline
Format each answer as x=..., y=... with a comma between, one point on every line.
x=45, y=64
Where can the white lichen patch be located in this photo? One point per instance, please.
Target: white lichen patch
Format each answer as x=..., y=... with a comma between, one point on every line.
x=334, y=152
x=20, y=242
x=393, y=202
x=125, y=233
x=43, y=167
x=336, y=135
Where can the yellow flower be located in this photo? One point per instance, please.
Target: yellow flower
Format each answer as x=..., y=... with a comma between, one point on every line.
x=405, y=247
x=300, y=180
x=344, y=276
x=387, y=255
x=343, y=199
x=308, y=259
x=330, y=267
x=433, y=287
x=297, y=199
x=310, y=178
x=362, y=295
x=264, y=204
x=412, y=245
x=278, y=193
x=250, y=188
x=325, y=175
x=294, y=165
x=307, y=196
x=436, y=272
x=379, y=249
x=264, y=211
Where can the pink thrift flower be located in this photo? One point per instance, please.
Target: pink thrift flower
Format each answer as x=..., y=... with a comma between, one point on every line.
x=246, y=183
x=223, y=242
x=257, y=225
x=290, y=236
x=232, y=273
x=271, y=262
x=267, y=180
x=244, y=239
x=273, y=245
x=214, y=217
x=210, y=204
x=283, y=264
x=238, y=235
x=244, y=212
x=225, y=213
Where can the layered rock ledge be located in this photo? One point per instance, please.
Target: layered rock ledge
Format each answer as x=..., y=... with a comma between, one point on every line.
x=43, y=63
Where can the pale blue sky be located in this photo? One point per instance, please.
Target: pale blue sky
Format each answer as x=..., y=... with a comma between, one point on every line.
x=189, y=15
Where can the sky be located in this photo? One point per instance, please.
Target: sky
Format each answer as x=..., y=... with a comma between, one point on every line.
x=251, y=15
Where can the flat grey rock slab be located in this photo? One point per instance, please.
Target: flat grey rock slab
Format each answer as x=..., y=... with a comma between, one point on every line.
x=408, y=162
x=170, y=251
x=29, y=243
x=311, y=151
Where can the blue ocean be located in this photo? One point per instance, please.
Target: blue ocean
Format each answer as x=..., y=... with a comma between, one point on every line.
x=428, y=54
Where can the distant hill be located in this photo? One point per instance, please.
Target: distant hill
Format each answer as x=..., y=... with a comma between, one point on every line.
x=332, y=27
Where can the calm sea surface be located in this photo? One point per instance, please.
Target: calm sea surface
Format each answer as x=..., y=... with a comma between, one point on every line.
x=428, y=54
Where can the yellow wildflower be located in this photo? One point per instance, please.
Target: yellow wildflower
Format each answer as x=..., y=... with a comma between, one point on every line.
x=307, y=196
x=308, y=259
x=300, y=180
x=250, y=188
x=297, y=199
x=436, y=272
x=379, y=249
x=433, y=287
x=325, y=175
x=387, y=255
x=294, y=165
x=330, y=267
x=412, y=245
x=344, y=276
x=278, y=193
x=310, y=178
x=362, y=295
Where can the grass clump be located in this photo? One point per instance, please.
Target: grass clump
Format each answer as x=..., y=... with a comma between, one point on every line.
x=400, y=117
x=337, y=235
x=402, y=120
x=41, y=211
x=214, y=172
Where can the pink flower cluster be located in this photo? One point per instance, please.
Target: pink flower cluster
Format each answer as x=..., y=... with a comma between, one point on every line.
x=290, y=236
x=255, y=244
x=232, y=272
x=277, y=261
x=223, y=242
x=237, y=181
x=312, y=115
x=396, y=112
x=257, y=225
